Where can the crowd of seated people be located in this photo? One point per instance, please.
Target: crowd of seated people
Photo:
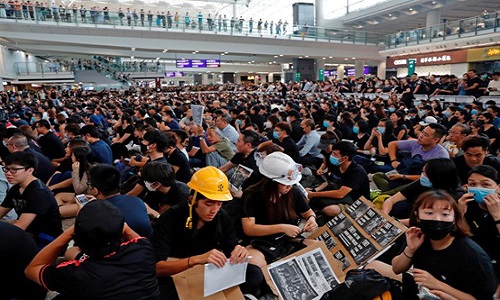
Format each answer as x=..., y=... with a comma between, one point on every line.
x=163, y=164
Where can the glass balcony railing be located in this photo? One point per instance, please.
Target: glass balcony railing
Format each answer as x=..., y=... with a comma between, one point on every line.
x=479, y=25
x=30, y=68
x=148, y=21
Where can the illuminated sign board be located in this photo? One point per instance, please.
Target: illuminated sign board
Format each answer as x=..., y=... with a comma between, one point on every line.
x=197, y=63
x=173, y=74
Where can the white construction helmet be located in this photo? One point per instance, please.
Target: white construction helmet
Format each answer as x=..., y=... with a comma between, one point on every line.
x=281, y=168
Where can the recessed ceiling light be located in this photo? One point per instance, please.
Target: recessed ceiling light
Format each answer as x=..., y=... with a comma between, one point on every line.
x=346, y=58
x=222, y=54
x=133, y=49
x=281, y=55
x=307, y=56
x=300, y=57
x=390, y=15
x=275, y=56
x=226, y=52
x=165, y=50
x=354, y=58
x=324, y=57
x=330, y=56
x=132, y=57
x=410, y=9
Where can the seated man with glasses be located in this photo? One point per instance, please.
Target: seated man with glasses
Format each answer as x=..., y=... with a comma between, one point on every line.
x=32, y=200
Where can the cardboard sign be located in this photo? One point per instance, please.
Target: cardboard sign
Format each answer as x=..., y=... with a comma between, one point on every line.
x=359, y=234
x=189, y=285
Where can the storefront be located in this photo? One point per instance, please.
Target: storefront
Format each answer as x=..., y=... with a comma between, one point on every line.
x=485, y=59
x=437, y=63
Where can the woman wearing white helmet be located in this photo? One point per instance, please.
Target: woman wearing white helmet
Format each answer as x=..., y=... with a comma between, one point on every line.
x=273, y=208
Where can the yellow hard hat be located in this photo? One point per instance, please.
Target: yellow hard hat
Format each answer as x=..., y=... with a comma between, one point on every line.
x=211, y=183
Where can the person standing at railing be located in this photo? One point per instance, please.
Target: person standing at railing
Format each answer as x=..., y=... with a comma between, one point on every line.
x=232, y=23
x=240, y=24
x=142, y=15
x=83, y=14
x=176, y=19
x=278, y=27
x=494, y=85
x=271, y=27
x=187, y=20
x=219, y=22
x=121, y=15
x=129, y=17
x=250, y=25
x=285, y=24
x=135, y=16
x=163, y=19
x=3, y=12
x=150, y=18
x=158, y=19
x=210, y=22
x=259, y=26
x=169, y=19
x=200, y=21
x=224, y=23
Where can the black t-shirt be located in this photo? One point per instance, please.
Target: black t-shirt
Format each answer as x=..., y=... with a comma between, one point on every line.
x=354, y=177
x=249, y=162
x=360, y=142
x=45, y=168
x=36, y=199
x=415, y=189
x=129, y=273
x=476, y=92
x=178, y=193
x=17, y=249
x=171, y=238
x=463, y=169
x=462, y=265
x=122, y=131
x=178, y=159
x=51, y=145
x=289, y=147
x=255, y=204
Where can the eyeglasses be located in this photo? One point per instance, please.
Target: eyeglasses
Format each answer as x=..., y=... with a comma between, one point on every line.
x=12, y=170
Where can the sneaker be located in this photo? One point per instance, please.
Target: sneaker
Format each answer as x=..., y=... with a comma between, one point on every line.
x=249, y=297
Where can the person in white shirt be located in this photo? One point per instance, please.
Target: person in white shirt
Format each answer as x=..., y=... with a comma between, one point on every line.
x=494, y=85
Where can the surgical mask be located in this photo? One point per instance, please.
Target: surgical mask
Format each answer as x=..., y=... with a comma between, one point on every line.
x=335, y=161
x=435, y=230
x=480, y=193
x=4, y=143
x=335, y=104
x=422, y=112
x=239, y=122
x=461, y=107
x=381, y=129
x=268, y=124
x=275, y=135
x=473, y=112
x=288, y=120
x=149, y=186
x=392, y=109
x=355, y=129
x=325, y=124
x=425, y=181
x=446, y=113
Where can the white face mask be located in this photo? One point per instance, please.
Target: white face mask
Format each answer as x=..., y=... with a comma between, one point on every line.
x=288, y=119
x=268, y=124
x=149, y=186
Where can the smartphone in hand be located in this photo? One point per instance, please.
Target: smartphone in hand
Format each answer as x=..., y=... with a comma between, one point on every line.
x=82, y=199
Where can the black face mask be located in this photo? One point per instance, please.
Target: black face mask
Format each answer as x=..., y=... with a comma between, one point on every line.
x=435, y=230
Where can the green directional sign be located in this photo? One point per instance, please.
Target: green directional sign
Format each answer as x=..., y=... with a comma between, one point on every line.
x=321, y=74
x=411, y=66
x=297, y=76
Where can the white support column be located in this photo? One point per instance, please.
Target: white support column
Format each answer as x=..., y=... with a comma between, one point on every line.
x=319, y=8
x=1, y=84
x=270, y=77
x=359, y=68
x=204, y=78
x=340, y=72
x=320, y=64
x=237, y=78
x=433, y=18
x=381, y=68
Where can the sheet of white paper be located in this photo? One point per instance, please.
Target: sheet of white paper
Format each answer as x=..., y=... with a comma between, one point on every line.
x=218, y=279
x=197, y=111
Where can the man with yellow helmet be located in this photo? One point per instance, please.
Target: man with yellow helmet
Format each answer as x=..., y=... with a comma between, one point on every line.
x=200, y=232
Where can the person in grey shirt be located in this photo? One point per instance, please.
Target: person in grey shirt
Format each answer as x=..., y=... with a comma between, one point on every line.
x=227, y=130
x=309, y=153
